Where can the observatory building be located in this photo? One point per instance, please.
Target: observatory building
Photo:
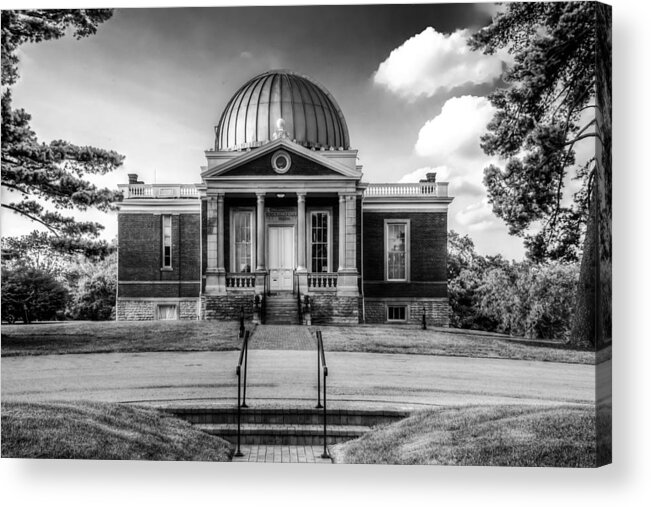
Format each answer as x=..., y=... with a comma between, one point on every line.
x=282, y=227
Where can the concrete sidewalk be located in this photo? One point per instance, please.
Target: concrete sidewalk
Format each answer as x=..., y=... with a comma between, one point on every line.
x=288, y=378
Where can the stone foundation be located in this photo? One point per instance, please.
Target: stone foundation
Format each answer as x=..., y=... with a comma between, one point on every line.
x=333, y=309
x=227, y=306
x=145, y=308
x=437, y=311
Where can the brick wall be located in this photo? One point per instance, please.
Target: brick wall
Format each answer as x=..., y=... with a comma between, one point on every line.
x=428, y=255
x=140, y=255
x=437, y=311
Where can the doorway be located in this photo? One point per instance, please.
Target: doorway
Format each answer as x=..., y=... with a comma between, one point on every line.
x=281, y=258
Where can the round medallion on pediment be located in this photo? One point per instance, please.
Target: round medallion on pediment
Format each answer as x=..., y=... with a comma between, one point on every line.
x=281, y=161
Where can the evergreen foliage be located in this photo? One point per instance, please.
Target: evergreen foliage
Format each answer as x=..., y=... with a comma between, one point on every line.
x=45, y=178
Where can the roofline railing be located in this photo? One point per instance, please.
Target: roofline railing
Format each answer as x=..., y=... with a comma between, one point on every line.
x=159, y=191
x=420, y=189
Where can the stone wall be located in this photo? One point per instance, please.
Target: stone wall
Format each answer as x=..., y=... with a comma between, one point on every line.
x=437, y=311
x=226, y=306
x=333, y=309
x=145, y=308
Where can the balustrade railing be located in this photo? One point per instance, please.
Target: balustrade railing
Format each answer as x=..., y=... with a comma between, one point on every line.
x=429, y=189
x=159, y=191
x=322, y=281
x=240, y=280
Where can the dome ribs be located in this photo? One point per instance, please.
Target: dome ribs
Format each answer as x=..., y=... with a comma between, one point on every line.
x=271, y=92
x=302, y=91
x=312, y=110
x=220, y=126
x=247, y=124
x=292, y=107
x=319, y=94
x=311, y=114
x=240, y=123
x=262, y=133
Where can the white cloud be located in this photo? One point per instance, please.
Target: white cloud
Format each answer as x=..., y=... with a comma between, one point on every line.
x=442, y=174
x=430, y=61
x=449, y=143
x=456, y=131
x=477, y=217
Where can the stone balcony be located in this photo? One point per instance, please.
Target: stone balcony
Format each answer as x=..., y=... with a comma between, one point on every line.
x=159, y=191
x=426, y=189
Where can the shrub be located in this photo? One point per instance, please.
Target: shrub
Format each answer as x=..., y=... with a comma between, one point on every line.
x=31, y=294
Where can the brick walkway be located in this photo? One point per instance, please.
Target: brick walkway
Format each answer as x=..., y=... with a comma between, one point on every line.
x=272, y=337
x=282, y=454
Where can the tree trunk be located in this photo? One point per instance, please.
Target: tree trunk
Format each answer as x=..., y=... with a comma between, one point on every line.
x=592, y=321
x=583, y=322
x=604, y=171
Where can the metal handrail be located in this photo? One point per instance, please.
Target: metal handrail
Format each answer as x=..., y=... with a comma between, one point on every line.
x=298, y=292
x=244, y=353
x=321, y=366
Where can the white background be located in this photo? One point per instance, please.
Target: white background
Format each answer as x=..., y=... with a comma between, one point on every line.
x=626, y=482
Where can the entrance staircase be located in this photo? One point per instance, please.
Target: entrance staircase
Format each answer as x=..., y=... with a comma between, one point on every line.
x=281, y=308
x=286, y=426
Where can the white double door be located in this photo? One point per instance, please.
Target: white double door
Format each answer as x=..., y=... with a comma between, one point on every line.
x=281, y=257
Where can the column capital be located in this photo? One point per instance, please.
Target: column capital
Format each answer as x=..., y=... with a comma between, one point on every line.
x=260, y=196
x=220, y=197
x=301, y=196
x=342, y=197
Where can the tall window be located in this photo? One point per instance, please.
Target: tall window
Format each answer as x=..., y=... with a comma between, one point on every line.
x=397, y=252
x=242, y=240
x=167, y=241
x=319, y=241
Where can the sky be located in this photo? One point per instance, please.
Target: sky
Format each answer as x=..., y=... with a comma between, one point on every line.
x=152, y=83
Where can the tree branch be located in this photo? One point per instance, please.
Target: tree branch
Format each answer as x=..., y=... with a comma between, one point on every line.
x=31, y=217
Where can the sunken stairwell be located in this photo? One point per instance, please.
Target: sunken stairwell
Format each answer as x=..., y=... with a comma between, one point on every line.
x=286, y=426
x=281, y=309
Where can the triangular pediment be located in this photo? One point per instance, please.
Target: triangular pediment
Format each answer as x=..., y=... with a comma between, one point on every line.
x=266, y=161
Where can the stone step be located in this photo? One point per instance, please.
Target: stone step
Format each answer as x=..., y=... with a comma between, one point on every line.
x=284, y=434
x=292, y=416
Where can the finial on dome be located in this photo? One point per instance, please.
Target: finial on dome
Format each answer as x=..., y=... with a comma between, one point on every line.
x=280, y=130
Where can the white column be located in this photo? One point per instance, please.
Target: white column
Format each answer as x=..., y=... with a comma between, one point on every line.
x=342, y=232
x=351, y=233
x=220, y=234
x=260, y=240
x=347, y=279
x=215, y=272
x=211, y=234
x=301, y=233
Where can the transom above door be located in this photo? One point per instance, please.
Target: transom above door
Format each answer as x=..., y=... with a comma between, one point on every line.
x=281, y=257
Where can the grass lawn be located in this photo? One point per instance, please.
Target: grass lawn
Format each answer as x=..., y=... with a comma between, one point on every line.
x=158, y=336
x=559, y=436
x=110, y=336
x=84, y=430
x=413, y=340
